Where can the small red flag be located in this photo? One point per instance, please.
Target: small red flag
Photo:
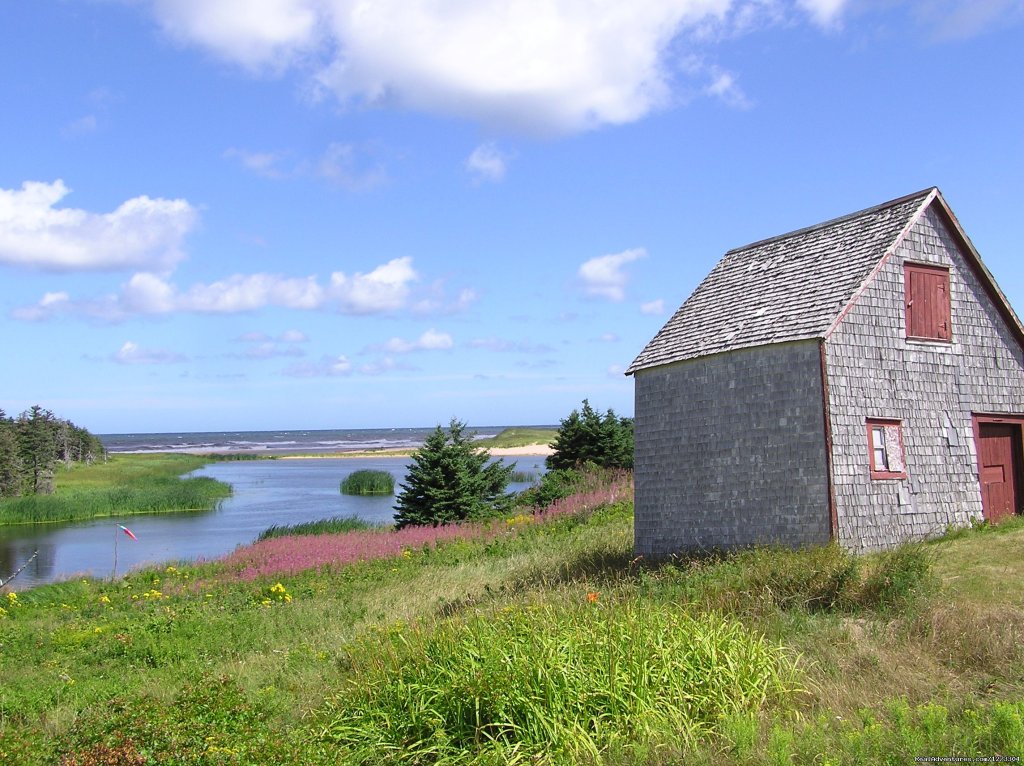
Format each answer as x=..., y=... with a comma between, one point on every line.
x=128, y=532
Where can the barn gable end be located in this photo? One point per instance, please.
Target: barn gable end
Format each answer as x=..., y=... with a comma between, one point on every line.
x=785, y=403
x=933, y=388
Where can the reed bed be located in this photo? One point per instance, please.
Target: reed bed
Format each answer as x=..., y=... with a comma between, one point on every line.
x=333, y=525
x=368, y=482
x=152, y=495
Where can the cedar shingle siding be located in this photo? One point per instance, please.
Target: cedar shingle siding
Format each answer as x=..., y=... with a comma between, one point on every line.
x=752, y=402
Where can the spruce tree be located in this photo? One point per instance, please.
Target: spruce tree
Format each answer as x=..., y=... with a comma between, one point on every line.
x=588, y=437
x=450, y=480
x=38, y=449
x=10, y=461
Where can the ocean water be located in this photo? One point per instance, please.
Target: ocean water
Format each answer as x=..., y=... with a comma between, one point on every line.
x=279, y=442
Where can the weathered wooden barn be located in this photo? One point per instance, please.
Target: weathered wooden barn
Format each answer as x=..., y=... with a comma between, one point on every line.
x=861, y=380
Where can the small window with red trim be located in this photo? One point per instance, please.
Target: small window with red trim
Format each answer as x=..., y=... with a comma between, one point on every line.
x=926, y=294
x=885, y=449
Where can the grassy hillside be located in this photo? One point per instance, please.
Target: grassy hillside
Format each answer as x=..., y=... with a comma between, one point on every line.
x=121, y=485
x=538, y=639
x=520, y=437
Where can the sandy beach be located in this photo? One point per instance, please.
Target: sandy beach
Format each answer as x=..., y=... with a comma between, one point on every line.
x=528, y=450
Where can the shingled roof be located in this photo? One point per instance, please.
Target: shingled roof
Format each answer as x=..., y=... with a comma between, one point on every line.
x=790, y=287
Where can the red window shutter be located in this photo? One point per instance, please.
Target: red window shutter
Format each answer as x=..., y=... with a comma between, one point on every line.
x=926, y=293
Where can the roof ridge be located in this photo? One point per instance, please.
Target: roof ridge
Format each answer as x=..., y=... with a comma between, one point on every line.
x=834, y=221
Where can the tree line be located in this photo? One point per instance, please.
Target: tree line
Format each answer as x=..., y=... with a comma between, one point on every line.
x=31, y=446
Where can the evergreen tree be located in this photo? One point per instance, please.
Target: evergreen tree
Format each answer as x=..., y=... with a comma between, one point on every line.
x=10, y=461
x=450, y=480
x=38, y=449
x=31, y=446
x=587, y=437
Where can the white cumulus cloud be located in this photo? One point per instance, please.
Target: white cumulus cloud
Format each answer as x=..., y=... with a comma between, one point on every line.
x=254, y=33
x=603, y=276
x=386, y=288
x=431, y=340
x=140, y=233
x=536, y=65
x=152, y=294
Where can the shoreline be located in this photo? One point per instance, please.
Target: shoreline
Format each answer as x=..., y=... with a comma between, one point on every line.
x=529, y=450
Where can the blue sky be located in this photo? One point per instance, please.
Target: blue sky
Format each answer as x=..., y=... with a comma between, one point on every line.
x=273, y=214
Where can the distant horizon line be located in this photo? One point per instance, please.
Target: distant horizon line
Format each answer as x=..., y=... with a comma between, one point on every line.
x=317, y=430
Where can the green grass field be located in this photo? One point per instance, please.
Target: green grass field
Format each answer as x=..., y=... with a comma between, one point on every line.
x=520, y=437
x=546, y=644
x=122, y=485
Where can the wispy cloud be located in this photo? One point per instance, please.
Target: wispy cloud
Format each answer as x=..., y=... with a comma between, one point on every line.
x=653, y=308
x=81, y=126
x=503, y=345
x=603, y=276
x=132, y=353
x=259, y=345
x=487, y=163
x=961, y=19
x=824, y=13
x=266, y=164
x=327, y=367
x=140, y=233
x=725, y=88
x=434, y=299
x=344, y=165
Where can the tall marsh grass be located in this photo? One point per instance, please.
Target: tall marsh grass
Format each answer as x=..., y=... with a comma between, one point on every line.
x=550, y=682
x=154, y=495
x=368, y=482
x=332, y=526
x=119, y=486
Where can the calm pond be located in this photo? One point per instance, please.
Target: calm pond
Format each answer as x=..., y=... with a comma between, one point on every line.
x=266, y=492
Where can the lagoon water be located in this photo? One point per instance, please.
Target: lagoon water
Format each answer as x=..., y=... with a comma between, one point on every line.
x=265, y=492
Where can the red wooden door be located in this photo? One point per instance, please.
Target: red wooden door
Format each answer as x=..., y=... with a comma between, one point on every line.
x=998, y=472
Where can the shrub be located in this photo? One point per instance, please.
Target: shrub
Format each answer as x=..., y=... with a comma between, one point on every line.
x=450, y=480
x=368, y=482
x=554, y=485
